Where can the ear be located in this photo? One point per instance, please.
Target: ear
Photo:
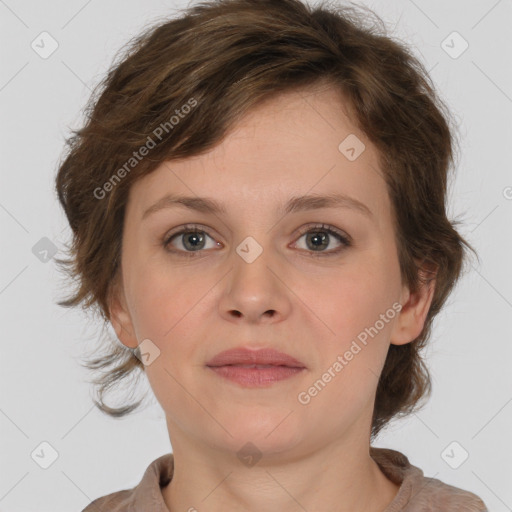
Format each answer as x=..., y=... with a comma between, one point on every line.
x=415, y=307
x=120, y=316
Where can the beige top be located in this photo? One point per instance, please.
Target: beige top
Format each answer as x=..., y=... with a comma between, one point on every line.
x=417, y=493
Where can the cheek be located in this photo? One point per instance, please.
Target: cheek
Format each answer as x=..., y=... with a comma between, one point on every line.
x=355, y=304
x=163, y=300
x=168, y=310
x=357, y=308
x=351, y=299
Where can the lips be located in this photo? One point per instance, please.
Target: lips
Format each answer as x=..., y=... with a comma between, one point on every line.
x=244, y=357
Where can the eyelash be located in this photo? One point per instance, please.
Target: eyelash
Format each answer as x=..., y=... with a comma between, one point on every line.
x=195, y=228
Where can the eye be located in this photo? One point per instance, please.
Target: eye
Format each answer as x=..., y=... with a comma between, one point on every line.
x=191, y=239
x=320, y=236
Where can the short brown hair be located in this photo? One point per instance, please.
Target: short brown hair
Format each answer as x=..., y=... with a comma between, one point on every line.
x=221, y=58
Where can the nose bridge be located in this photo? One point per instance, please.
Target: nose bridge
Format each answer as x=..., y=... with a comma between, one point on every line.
x=252, y=259
x=253, y=238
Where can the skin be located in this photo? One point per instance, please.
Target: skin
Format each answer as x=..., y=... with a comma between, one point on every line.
x=314, y=456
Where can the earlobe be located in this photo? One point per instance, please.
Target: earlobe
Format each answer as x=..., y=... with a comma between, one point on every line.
x=120, y=317
x=415, y=307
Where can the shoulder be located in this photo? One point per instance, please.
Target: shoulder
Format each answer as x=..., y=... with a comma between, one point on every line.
x=435, y=495
x=114, y=502
x=146, y=495
x=418, y=493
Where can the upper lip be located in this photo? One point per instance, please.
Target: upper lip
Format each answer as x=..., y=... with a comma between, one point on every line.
x=263, y=356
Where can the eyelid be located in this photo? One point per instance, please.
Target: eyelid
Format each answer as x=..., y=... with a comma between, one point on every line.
x=326, y=227
x=186, y=228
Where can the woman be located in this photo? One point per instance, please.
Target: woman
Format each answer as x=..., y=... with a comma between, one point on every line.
x=258, y=205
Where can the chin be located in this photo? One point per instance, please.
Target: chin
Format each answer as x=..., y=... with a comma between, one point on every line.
x=268, y=435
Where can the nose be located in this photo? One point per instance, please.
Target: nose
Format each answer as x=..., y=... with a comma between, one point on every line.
x=255, y=290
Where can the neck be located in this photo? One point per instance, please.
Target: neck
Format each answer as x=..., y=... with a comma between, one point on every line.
x=341, y=477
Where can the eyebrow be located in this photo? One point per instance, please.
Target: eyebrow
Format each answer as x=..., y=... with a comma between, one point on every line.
x=295, y=204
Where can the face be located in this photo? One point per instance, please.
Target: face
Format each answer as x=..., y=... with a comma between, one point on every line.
x=321, y=284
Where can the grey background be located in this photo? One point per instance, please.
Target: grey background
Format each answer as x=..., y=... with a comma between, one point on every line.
x=45, y=395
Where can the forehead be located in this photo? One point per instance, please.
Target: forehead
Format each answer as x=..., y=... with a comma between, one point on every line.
x=292, y=144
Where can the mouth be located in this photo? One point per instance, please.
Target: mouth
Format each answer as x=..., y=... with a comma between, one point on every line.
x=262, y=358
x=255, y=375
x=255, y=368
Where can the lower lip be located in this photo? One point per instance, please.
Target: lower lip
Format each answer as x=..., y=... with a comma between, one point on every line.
x=255, y=377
